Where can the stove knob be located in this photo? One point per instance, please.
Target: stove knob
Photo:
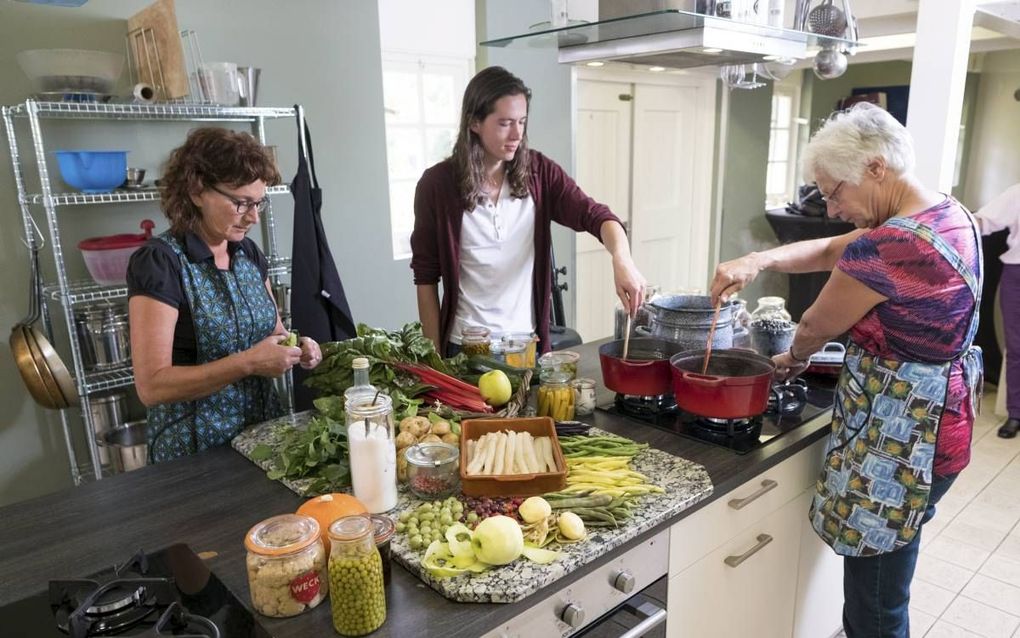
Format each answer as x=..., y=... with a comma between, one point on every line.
x=573, y=615
x=624, y=581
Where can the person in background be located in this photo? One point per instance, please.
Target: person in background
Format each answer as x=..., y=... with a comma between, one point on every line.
x=483, y=218
x=906, y=285
x=1002, y=213
x=205, y=332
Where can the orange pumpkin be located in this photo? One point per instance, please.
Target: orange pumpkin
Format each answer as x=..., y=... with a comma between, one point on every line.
x=328, y=508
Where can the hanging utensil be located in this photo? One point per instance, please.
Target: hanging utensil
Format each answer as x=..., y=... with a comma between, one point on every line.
x=827, y=19
x=711, y=334
x=25, y=356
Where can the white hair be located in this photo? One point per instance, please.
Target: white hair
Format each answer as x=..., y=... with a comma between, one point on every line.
x=850, y=139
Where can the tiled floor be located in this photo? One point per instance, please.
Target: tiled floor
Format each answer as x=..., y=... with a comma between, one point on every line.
x=967, y=581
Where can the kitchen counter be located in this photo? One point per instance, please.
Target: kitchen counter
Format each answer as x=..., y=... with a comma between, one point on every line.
x=211, y=499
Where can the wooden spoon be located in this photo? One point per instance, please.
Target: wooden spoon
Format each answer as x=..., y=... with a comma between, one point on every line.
x=626, y=339
x=711, y=334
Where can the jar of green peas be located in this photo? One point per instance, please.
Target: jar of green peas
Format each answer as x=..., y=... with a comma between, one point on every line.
x=357, y=595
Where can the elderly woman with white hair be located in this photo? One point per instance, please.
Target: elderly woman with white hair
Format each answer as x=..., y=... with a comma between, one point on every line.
x=906, y=285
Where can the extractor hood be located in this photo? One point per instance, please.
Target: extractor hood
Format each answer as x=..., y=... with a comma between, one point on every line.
x=675, y=39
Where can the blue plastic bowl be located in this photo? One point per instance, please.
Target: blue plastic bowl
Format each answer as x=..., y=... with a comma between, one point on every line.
x=93, y=171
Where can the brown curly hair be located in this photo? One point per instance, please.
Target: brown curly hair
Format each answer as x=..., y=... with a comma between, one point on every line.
x=210, y=156
x=480, y=97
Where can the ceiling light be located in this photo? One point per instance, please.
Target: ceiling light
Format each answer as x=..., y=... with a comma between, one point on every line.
x=595, y=63
x=656, y=69
x=711, y=50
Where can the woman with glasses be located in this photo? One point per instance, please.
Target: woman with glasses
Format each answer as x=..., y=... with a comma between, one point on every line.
x=483, y=223
x=206, y=337
x=906, y=285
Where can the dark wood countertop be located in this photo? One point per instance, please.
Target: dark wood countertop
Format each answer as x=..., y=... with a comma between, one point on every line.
x=210, y=500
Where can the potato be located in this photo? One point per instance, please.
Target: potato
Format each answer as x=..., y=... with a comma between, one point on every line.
x=405, y=439
x=451, y=438
x=416, y=425
x=441, y=427
x=430, y=438
x=401, y=468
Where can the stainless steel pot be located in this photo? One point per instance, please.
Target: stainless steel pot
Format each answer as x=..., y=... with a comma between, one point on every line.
x=103, y=336
x=687, y=319
x=108, y=413
x=128, y=446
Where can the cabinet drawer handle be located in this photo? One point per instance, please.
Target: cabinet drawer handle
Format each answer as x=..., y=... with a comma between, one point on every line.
x=763, y=540
x=766, y=486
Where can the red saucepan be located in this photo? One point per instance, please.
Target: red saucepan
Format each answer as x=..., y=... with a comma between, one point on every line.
x=736, y=386
x=645, y=371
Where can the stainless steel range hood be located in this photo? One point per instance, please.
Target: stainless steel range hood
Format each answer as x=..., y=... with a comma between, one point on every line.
x=673, y=38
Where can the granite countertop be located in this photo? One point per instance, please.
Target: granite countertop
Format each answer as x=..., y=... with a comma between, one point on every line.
x=211, y=499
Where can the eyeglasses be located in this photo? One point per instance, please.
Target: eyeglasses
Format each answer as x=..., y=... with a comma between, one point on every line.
x=245, y=206
x=832, y=197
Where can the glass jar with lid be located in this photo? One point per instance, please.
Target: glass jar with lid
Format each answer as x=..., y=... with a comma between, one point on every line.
x=361, y=385
x=384, y=528
x=520, y=349
x=287, y=567
x=432, y=469
x=372, y=450
x=558, y=361
x=741, y=324
x=475, y=340
x=356, y=577
x=556, y=397
x=771, y=327
x=584, y=396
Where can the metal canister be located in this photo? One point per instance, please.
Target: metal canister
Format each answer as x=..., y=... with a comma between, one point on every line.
x=108, y=411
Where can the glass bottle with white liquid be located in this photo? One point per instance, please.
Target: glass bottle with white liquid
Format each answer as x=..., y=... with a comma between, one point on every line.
x=373, y=454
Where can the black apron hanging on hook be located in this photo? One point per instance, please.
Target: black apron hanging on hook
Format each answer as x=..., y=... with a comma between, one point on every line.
x=319, y=307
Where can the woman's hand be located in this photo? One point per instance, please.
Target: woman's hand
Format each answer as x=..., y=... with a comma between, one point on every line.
x=630, y=284
x=733, y=276
x=270, y=358
x=311, y=356
x=787, y=367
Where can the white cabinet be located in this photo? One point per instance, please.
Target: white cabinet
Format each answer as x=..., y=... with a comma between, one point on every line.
x=749, y=563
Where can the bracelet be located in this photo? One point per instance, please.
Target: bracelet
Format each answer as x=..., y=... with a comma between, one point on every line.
x=795, y=358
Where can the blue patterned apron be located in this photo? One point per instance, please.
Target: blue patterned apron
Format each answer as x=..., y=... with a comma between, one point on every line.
x=877, y=476
x=231, y=311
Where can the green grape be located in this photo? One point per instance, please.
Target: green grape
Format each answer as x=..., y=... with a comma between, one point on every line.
x=400, y=527
x=446, y=518
x=413, y=520
x=417, y=542
x=404, y=517
x=472, y=517
x=457, y=507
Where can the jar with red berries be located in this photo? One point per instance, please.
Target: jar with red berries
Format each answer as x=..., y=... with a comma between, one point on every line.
x=432, y=469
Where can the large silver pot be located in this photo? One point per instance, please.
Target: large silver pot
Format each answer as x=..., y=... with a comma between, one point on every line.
x=103, y=336
x=128, y=446
x=687, y=319
x=108, y=412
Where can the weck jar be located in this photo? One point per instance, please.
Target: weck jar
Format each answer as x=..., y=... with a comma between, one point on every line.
x=358, y=603
x=556, y=397
x=475, y=340
x=373, y=451
x=584, y=396
x=286, y=563
x=771, y=327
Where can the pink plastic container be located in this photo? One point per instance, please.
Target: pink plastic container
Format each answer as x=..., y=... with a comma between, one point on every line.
x=106, y=258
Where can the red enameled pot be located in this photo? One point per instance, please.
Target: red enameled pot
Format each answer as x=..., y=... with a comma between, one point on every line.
x=645, y=372
x=736, y=386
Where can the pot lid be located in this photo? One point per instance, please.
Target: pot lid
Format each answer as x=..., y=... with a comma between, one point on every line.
x=384, y=528
x=125, y=240
x=431, y=454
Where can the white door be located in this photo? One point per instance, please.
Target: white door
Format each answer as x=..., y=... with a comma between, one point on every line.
x=649, y=158
x=602, y=149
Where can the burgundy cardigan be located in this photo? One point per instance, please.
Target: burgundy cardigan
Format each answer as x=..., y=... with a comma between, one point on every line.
x=435, y=241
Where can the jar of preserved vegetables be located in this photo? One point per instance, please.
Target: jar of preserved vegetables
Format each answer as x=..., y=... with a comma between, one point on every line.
x=556, y=397
x=584, y=396
x=475, y=340
x=356, y=577
x=286, y=565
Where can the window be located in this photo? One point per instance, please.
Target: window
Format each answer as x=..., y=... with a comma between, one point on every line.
x=422, y=96
x=781, y=178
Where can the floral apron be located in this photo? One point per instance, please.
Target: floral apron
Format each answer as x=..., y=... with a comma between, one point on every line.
x=876, y=480
x=232, y=311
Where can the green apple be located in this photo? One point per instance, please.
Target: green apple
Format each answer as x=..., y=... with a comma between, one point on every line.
x=495, y=388
x=498, y=540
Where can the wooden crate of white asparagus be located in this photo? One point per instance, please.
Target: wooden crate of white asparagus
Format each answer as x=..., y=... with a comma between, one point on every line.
x=510, y=457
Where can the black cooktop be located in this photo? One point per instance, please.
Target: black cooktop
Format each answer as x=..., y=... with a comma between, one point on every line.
x=740, y=436
x=169, y=592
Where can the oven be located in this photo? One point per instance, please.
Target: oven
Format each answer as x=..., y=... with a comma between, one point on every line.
x=625, y=597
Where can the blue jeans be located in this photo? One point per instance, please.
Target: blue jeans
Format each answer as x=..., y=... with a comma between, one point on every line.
x=876, y=589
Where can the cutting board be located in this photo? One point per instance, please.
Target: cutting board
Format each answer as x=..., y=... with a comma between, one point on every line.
x=164, y=45
x=684, y=483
